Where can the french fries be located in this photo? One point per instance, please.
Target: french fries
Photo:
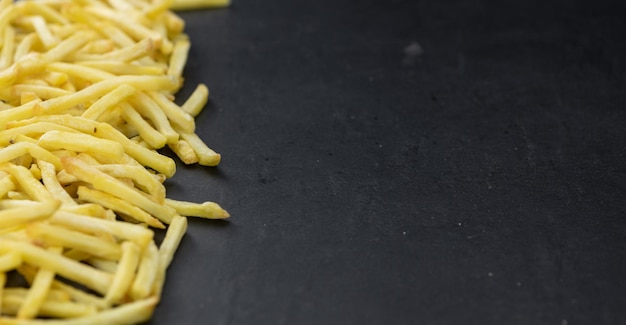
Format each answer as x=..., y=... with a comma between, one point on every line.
x=86, y=100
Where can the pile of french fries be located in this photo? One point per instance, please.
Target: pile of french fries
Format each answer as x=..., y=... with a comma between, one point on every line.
x=86, y=100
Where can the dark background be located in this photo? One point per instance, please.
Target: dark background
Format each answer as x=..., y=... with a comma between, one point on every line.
x=407, y=162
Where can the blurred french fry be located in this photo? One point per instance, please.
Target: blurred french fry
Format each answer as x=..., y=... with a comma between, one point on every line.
x=196, y=4
x=10, y=261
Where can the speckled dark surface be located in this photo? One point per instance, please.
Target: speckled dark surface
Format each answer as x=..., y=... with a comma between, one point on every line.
x=407, y=162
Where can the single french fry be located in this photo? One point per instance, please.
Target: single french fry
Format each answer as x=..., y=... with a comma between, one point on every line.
x=8, y=47
x=107, y=101
x=153, y=137
x=146, y=275
x=172, y=239
x=80, y=142
x=208, y=210
x=195, y=103
x=45, y=36
x=179, y=118
x=196, y=4
x=178, y=59
x=125, y=273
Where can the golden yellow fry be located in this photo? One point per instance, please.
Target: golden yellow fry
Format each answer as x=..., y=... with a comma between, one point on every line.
x=6, y=15
x=146, y=157
x=6, y=185
x=8, y=46
x=38, y=291
x=70, y=269
x=43, y=92
x=146, y=275
x=208, y=210
x=172, y=239
x=196, y=4
x=22, y=148
x=55, y=140
x=135, y=312
x=123, y=68
x=86, y=209
x=145, y=106
x=107, y=101
x=49, y=308
x=179, y=118
x=134, y=29
x=116, y=204
x=79, y=72
x=206, y=156
x=60, y=236
x=10, y=261
x=125, y=273
x=123, y=230
x=143, y=48
x=111, y=185
x=184, y=151
x=35, y=129
x=50, y=181
x=44, y=10
x=195, y=103
x=153, y=137
x=45, y=36
x=157, y=8
x=23, y=292
x=29, y=184
x=25, y=214
x=142, y=179
x=100, y=46
x=18, y=113
x=61, y=104
x=178, y=59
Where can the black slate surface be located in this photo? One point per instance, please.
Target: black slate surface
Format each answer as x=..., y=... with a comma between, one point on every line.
x=407, y=162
